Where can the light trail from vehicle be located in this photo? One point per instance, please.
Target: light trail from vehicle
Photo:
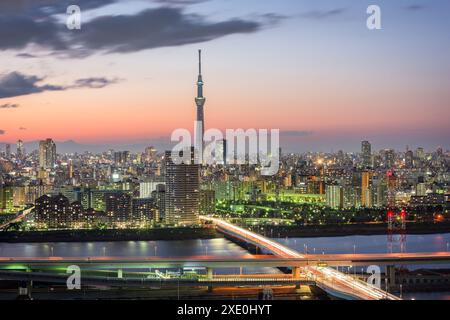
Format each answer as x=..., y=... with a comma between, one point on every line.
x=327, y=278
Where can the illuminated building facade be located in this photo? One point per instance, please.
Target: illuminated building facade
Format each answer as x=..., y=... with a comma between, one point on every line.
x=47, y=154
x=182, y=191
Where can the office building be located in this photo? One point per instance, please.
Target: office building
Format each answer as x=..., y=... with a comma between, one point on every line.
x=334, y=196
x=47, y=154
x=366, y=154
x=182, y=190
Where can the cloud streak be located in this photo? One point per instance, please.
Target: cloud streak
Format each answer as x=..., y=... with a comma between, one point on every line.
x=415, y=7
x=16, y=84
x=9, y=106
x=323, y=14
x=93, y=83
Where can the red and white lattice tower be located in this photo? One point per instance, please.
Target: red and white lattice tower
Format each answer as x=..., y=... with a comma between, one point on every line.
x=396, y=220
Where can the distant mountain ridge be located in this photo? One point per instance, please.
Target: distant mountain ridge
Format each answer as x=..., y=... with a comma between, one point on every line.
x=71, y=146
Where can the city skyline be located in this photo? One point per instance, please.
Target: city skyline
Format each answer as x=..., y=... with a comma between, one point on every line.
x=309, y=91
x=197, y=150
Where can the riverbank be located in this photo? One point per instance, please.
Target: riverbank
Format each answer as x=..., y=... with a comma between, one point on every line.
x=108, y=235
x=313, y=231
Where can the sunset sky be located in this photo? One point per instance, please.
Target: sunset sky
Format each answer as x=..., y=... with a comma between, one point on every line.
x=309, y=68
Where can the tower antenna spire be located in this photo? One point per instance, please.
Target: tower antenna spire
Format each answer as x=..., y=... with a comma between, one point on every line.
x=200, y=102
x=200, y=61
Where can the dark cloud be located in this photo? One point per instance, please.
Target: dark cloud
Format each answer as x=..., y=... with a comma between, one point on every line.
x=9, y=106
x=94, y=83
x=323, y=14
x=17, y=31
x=48, y=6
x=415, y=7
x=2, y=131
x=155, y=28
x=150, y=28
x=26, y=55
x=17, y=84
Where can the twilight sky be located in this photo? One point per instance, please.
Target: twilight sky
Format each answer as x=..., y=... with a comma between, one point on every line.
x=309, y=68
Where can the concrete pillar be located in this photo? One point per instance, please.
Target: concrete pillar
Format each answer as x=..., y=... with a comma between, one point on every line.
x=296, y=275
x=296, y=272
x=29, y=287
x=390, y=277
x=25, y=290
x=209, y=276
x=209, y=273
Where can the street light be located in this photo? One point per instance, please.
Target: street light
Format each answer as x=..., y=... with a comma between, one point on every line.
x=354, y=248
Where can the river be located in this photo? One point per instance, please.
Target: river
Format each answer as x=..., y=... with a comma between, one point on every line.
x=223, y=247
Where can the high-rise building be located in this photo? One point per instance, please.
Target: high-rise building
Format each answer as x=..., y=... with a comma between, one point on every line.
x=34, y=192
x=8, y=151
x=19, y=198
x=118, y=206
x=20, y=150
x=334, y=196
x=366, y=154
x=182, y=190
x=70, y=169
x=47, y=154
x=121, y=157
x=409, y=159
x=221, y=152
x=366, y=191
x=207, y=202
x=150, y=154
x=144, y=210
x=160, y=196
x=389, y=158
x=350, y=197
x=381, y=197
x=421, y=189
x=146, y=188
x=420, y=153
x=53, y=212
x=7, y=199
x=200, y=123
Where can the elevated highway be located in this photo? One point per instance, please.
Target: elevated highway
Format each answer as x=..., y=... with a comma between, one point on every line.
x=253, y=261
x=330, y=280
x=157, y=282
x=20, y=217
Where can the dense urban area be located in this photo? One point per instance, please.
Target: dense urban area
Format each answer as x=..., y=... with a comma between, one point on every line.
x=124, y=190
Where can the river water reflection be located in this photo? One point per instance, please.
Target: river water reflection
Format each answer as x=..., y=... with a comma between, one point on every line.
x=223, y=248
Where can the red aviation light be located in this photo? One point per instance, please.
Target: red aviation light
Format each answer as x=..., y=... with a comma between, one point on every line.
x=403, y=214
